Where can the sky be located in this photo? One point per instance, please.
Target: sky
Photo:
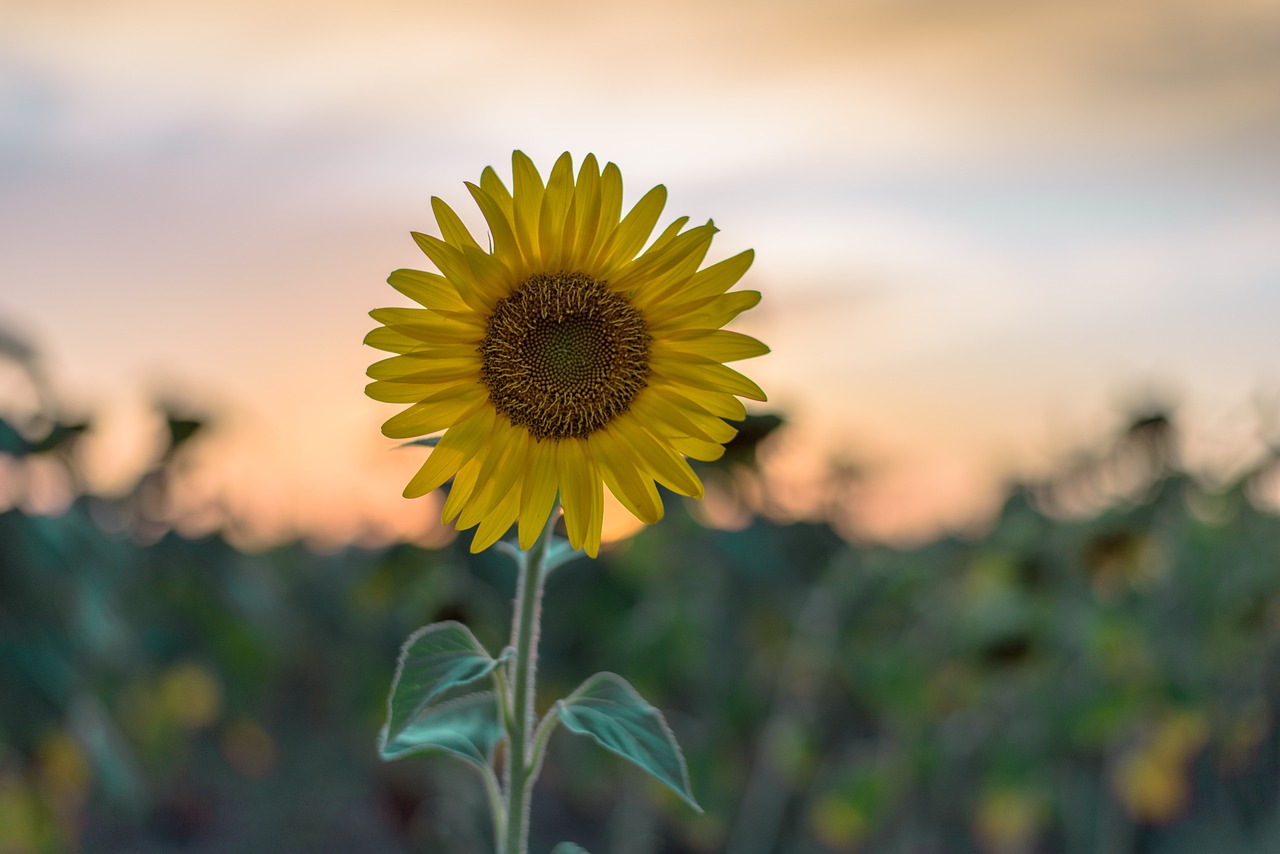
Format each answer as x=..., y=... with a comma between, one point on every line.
x=983, y=228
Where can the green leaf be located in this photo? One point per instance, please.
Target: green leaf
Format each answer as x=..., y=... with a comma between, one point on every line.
x=568, y=848
x=433, y=660
x=559, y=552
x=609, y=710
x=467, y=727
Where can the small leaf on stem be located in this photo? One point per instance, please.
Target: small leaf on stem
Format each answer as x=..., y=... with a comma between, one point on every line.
x=559, y=553
x=466, y=727
x=609, y=710
x=433, y=660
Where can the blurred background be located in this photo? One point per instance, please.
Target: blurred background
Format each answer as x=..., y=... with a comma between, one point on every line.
x=997, y=569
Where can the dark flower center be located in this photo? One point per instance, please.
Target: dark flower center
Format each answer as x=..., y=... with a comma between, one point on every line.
x=563, y=355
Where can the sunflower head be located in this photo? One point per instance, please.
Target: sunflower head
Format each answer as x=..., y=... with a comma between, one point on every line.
x=564, y=359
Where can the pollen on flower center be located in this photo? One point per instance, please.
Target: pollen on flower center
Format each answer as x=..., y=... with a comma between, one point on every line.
x=563, y=355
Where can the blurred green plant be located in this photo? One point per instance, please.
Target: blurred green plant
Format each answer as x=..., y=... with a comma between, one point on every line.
x=1099, y=681
x=429, y=711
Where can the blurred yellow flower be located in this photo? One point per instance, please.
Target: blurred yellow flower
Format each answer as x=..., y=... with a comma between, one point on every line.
x=1152, y=779
x=839, y=823
x=191, y=696
x=563, y=359
x=1007, y=821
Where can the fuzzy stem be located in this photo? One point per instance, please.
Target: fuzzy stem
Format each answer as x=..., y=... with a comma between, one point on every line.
x=524, y=637
x=493, y=792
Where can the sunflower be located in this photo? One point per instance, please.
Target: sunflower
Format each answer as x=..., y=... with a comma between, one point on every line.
x=563, y=359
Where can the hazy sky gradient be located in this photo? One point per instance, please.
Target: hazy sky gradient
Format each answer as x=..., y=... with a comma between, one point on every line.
x=978, y=225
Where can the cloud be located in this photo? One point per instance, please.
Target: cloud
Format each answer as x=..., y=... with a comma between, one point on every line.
x=1148, y=67
x=946, y=197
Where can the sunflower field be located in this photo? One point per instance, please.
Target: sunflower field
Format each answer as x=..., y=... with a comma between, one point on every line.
x=1073, y=680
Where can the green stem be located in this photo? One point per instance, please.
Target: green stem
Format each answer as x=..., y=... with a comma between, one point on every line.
x=493, y=792
x=524, y=637
x=540, y=738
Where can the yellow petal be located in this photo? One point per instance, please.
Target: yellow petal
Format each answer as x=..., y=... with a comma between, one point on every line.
x=721, y=345
x=457, y=447
x=611, y=210
x=464, y=483
x=707, y=313
x=555, y=205
x=673, y=313
x=492, y=184
x=500, y=227
x=538, y=492
x=652, y=404
x=707, y=411
x=655, y=275
x=439, y=412
x=451, y=227
x=595, y=527
x=697, y=448
x=635, y=491
x=578, y=482
x=452, y=364
x=390, y=341
x=433, y=327
x=429, y=289
x=453, y=264
x=633, y=231
x=491, y=277
x=707, y=374
x=717, y=404
x=718, y=278
x=527, y=184
x=668, y=234
x=496, y=523
x=586, y=207
x=667, y=467
x=566, y=251
x=510, y=445
x=399, y=392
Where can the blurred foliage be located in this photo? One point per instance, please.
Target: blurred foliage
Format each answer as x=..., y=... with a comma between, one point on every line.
x=1069, y=682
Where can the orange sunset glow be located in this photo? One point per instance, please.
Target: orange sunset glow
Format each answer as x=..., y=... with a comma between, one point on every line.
x=984, y=231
